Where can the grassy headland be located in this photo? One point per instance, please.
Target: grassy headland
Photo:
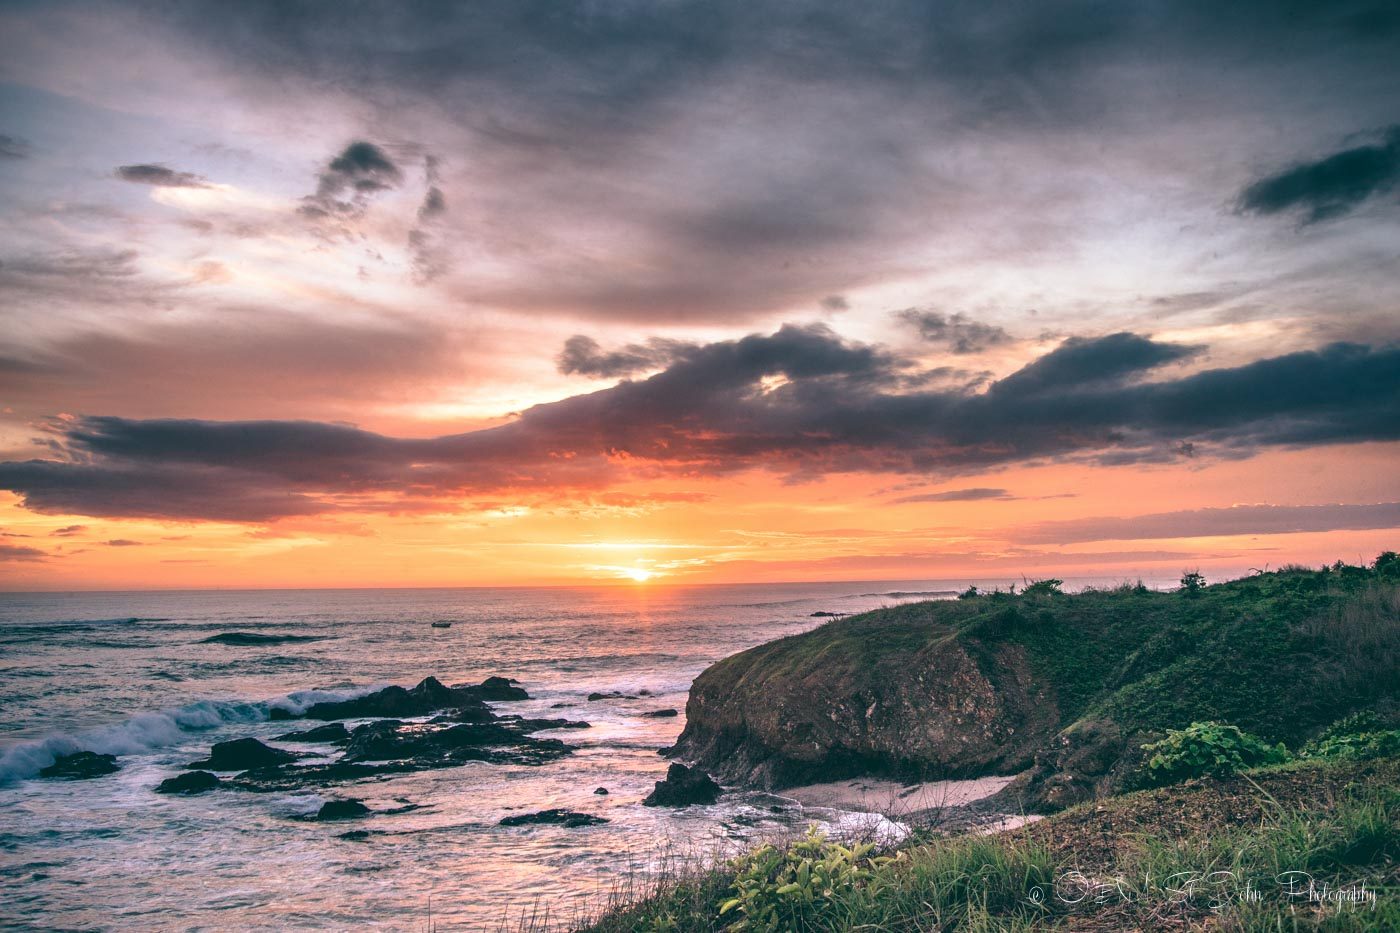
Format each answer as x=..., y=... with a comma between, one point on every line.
x=1066, y=690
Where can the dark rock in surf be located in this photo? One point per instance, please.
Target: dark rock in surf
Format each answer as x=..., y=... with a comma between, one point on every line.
x=81, y=766
x=612, y=696
x=539, y=725
x=349, y=809
x=331, y=734
x=253, y=639
x=280, y=714
x=569, y=819
x=601, y=791
x=191, y=782
x=661, y=714
x=500, y=689
x=429, y=696
x=683, y=786
x=243, y=755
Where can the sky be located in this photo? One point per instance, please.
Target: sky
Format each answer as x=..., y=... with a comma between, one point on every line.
x=543, y=292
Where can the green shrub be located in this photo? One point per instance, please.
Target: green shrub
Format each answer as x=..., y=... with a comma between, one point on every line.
x=784, y=888
x=1357, y=737
x=1203, y=749
x=1192, y=582
x=1049, y=587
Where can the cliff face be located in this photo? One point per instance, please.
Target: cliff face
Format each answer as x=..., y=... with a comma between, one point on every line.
x=1061, y=688
x=903, y=699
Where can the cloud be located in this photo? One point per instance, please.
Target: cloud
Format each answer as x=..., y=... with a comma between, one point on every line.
x=582, y=356
x=123, y=542
x=160, y=176
x=835, y=303
x=1331, y=186
x=801, y=402
x=16, y=552
x=976, y=494
x=1202, y=523
x=12, y=147
x=349, y=180
x=955, y=331
x=68, y=531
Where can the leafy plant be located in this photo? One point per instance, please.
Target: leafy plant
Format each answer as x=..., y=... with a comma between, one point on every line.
x=971, y=592
x=1357, y=737
x=1206, y=748
x=1192, y=582
x=1050, y=587
x=779, y=888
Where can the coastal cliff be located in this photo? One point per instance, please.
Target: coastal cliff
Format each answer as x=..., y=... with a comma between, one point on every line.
x=1060, y=689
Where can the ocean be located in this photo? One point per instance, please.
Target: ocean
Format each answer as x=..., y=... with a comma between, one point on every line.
x=132, y=674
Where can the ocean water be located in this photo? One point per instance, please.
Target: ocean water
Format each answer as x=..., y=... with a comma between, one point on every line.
x=131, y=674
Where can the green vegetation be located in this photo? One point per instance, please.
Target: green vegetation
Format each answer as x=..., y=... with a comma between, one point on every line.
x=1206, y=749
x=1242, y=854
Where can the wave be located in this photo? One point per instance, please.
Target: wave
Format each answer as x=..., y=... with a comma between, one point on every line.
x=148, y=731
x=251, y=639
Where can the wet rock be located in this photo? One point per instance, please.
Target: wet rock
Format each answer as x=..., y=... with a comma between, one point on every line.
x=81, y=766
x=243, y=755
x=279, y=714
x=601, y=791
x=253, y=639
x=332, y=734
x=539, y=725
x=661, y=714
x=389, y=739
x=348, y=809
x=613, y=696
x=569, y=819
x=499, y=689
x=429, y=696
x=191, y=782
x=355, y=835
x=683, y=786
x=821, y=614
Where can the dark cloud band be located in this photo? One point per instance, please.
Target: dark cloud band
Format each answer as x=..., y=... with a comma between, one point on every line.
x=801, y=401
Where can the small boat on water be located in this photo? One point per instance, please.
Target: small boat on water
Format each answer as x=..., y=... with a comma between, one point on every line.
x=442, y=625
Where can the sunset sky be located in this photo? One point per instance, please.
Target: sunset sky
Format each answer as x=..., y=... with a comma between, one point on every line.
x=541, y=292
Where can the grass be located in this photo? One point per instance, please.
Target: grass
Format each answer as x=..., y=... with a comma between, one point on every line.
x=1208, y=853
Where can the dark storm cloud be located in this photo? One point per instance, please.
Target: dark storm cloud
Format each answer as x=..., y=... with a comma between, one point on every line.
x=1331, y=186
x=161, y=176
x=955, y=331
x=1081, y=361
x=12, y=147
x=582, y=356
x=345, y=186
x=801, y=401
x=976, y=494
x=1202, y=523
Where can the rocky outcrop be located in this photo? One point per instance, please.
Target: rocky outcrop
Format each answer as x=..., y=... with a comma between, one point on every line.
x=682, y=787
x=910, y=700
x=569, y=819
x=243, y=755
x=348, y=809
x=429, y=696
x=191, y=782
x=80, y=766
x=331, y=734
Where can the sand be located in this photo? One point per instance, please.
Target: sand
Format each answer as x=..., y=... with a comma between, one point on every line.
x=893, y=799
